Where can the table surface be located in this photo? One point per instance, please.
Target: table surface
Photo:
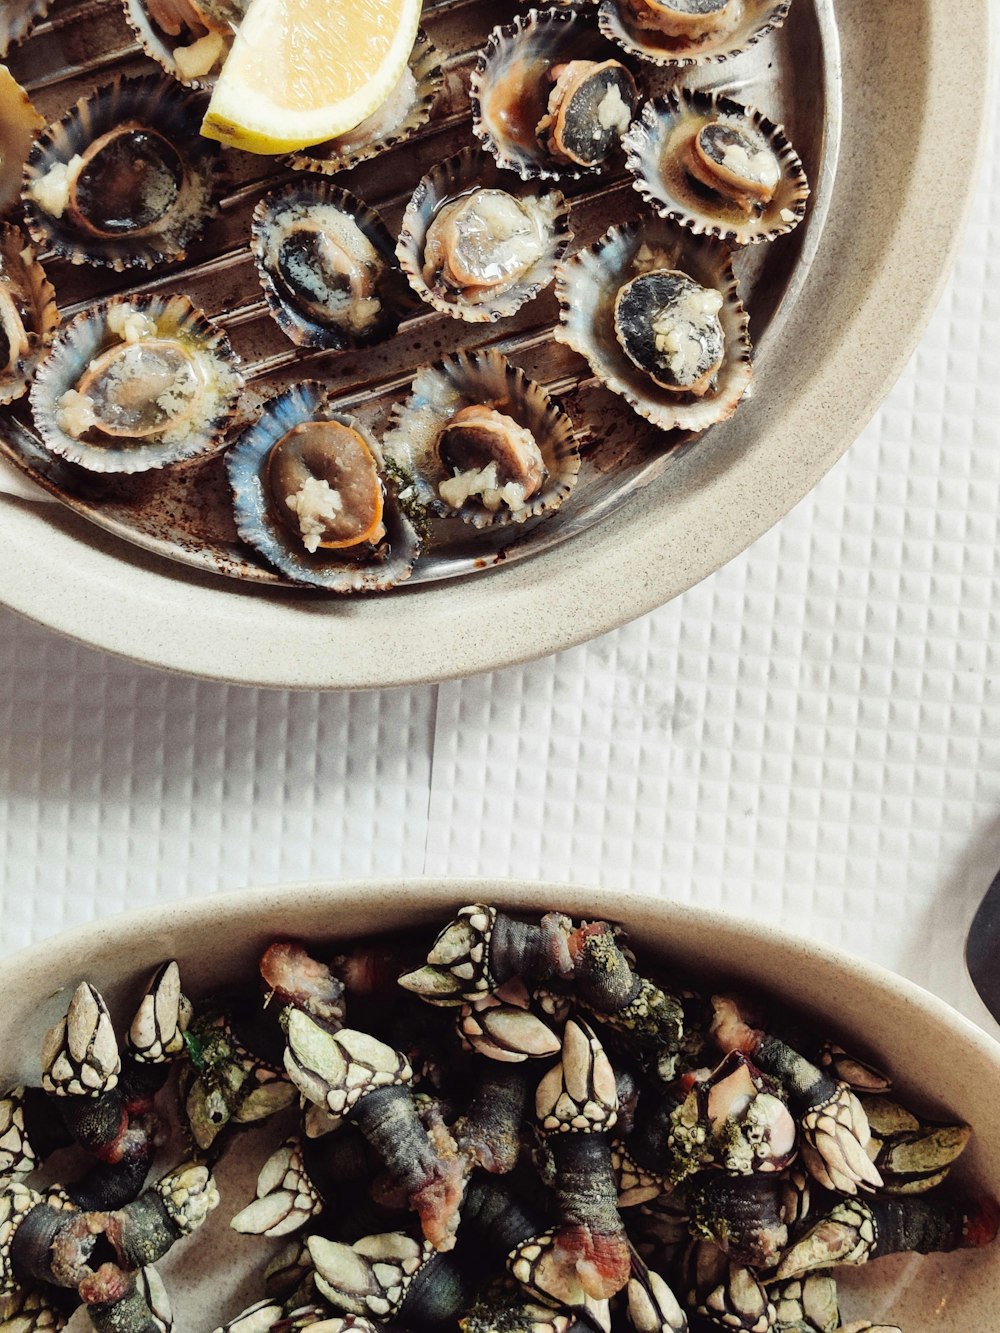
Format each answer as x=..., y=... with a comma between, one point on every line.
x=810, y=737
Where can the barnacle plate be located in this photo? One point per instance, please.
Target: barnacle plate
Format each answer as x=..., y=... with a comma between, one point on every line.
x=866, y=255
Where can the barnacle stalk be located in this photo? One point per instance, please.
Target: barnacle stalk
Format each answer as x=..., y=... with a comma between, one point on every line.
x=834, y=1127
x=747, y=1217
x=389, y=1277
x=855, y=1231
x=504, y=1308
x=295, y=978
x=118, y=1301
x=911, y=1154
x=483, y=948
x=355, y=1075
x=175, y=1206
x=647, y=1021
x=490, y=1130
x=576, y=1104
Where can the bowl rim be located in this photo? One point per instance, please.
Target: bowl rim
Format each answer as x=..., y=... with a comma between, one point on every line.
x=62, y=572
x=428, y=895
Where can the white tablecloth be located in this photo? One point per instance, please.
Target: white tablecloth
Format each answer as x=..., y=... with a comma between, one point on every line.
x=812, y=736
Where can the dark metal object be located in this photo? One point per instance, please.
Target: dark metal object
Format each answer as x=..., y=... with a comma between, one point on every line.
x=982, y=949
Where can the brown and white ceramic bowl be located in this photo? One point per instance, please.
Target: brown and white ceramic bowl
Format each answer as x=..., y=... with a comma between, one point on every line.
x=933, y=1053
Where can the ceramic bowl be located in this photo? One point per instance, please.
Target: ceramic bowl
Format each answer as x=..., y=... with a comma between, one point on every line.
x=933, y=1053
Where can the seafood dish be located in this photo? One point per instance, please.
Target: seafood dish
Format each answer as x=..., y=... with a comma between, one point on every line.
x=517, y=1123
x=459, y=348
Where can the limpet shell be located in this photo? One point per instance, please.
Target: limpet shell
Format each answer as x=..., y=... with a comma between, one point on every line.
x=352, y=223
x=753, y=19
x=470, y=379
x=657, y=147
x=587, y=287
x=457, y=178
x=204, y=350
x=510, y=86
x=199, y=36
x=407, y=110
x=17, y=18
x=181, y=183
x=257, y=517
x=29, y=316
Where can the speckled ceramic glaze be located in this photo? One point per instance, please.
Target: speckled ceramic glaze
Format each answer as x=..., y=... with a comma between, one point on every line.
x=871, y=286
x=926, y=1045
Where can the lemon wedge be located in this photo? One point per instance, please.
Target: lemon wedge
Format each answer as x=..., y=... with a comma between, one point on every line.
x=304, y=71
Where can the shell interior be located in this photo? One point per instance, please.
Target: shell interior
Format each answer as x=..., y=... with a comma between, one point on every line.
x=471, y=379
x=170, y=386
x=328, y=267
x=588, y=287
x=188, y=38
x=29, y=316
x=455, y=179
x=749, y=22
x=259, y=521
x=125, y=178
x=511, y=84
x=659, y=144
x=406, y=110
x=19, y=123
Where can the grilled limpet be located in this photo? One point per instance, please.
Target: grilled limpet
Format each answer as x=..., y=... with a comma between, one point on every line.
x=125, y=179
x=482, y=442
x=688, y=32
x=136, y=383
x=17, y=18
x=188, y=38
x=550, y=96
x=658, y=316
x=28, y=313
x=716, y=167
x=313, y=496
x=328, y=266
x=477, y=243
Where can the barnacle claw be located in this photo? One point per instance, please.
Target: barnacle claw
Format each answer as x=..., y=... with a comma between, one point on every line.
x=502, y=1027
x=847, y=1235
x=835, y=1134
x=318, y=1319
x=286, y=1198
x=806, y=1304
x=189, y=1194
x=17, y=1154
x=150, y=1287
x=652, y=1306
x=912, y=1154
x=866, y=1326
x=457, y=966
x=80, y=1053
x=157, y=1030
x=858, y=1074
x=635, y=1184
x=30, y=1312
x=260, y=1317
x=728, y=1294
x=579, y=1094
x=436, y=985
x=16, y=1202
x=372, y=1276
x=337, y=1070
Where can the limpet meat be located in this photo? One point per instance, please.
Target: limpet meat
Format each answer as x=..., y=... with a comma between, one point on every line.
x=189, y=38
x=28, y=313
